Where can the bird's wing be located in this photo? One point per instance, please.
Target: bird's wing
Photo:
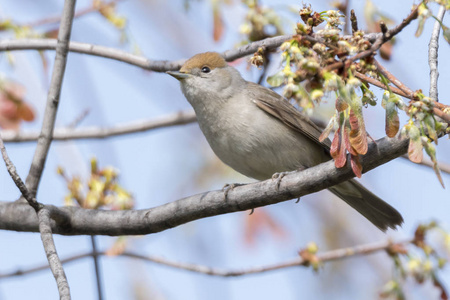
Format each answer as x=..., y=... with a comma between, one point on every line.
x=278, y=107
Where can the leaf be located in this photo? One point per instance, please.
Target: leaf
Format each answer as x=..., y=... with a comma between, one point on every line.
x=385, y=99
x=392, y=121
x=340, y=157
x=218, y=27
x=430, y=125
x=356, y=165
x=358, y=135
x=341, y=104
x=438, y=284
x=423, y=15
x=431, y=151
x=276, y=80
x=348, y=146
x=25, y=112
x=386, y=50
x=446, y=33
x=415, y=147
x=335, y=144
x=420, y=26
x=326, y=132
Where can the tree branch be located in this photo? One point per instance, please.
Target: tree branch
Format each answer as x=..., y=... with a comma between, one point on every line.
x=173, y=119
x=52, y=256
x=140, y=61
x=17, y=180
x=29, y=189
x=439, y=109
x=322, y=257
x=43, y=216
x=445, y=168
x=78, y=221
x=433, y=55
x=98, y=277
x=54, y=92
x=381, y=39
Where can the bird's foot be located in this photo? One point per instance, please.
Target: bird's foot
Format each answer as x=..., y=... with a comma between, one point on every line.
x=279, y=176
x=228, y=187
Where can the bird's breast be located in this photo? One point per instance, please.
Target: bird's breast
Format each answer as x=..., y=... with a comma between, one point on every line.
x=252, y=142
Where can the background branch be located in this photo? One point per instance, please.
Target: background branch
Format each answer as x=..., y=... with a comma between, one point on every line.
x=321, y=257
x=173, y=119
x=140, y=61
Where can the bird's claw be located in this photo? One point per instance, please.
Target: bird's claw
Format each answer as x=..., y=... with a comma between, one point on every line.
x=228, y=187
x=277, y=177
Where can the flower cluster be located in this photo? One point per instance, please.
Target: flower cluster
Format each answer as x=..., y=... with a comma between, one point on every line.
x=261, y=22
x=102, y=190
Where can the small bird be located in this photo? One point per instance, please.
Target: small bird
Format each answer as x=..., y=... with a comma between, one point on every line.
x=259, y=133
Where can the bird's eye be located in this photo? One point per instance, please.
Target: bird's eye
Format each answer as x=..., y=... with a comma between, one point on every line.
x=206, y=69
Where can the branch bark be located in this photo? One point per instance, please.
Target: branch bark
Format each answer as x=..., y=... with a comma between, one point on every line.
x=78, y=221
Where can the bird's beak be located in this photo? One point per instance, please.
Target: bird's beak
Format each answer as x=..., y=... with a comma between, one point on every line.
x=178, y=75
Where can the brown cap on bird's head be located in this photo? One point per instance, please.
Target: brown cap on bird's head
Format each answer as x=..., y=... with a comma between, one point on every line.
x=208, y=59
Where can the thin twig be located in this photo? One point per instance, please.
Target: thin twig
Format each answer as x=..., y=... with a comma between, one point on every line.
x=98, y=276
x=16, y=178
x=394, y=79
x=445, y=168
x=326, y=256
x=396, y=30
x=383, y=38
x=438, y=110
x=173, y=119
x=46, y=135
x=379, y=84
x=433, y=47
x=44, y=227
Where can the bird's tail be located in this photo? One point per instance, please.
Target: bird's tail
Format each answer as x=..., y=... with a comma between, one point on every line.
x=369, y=205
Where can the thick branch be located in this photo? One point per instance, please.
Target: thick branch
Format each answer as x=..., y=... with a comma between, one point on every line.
x=179, y=118
x=76, y=221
